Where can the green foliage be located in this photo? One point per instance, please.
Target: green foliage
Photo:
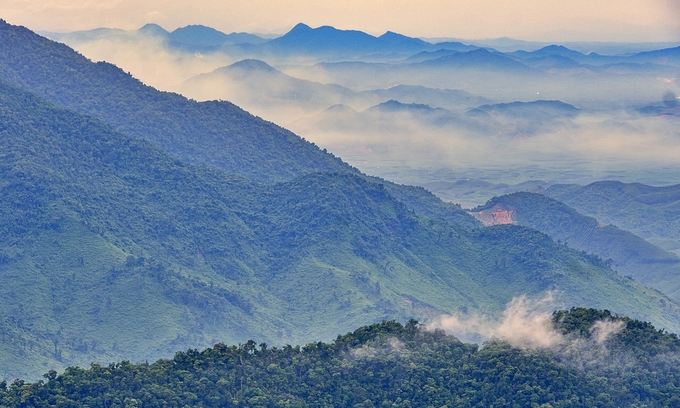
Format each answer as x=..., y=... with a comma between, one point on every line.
x=384, y=364
x=113, y=249
x=627, y=253
x=214, y=133
x=650, y=212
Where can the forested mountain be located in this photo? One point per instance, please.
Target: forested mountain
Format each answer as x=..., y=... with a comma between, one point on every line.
x=216, y=134
x=629, y=254
x=113, y=249
x=647, y=211
x=601, y=360
x=135, y=222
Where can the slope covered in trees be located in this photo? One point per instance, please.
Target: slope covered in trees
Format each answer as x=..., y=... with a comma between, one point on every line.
x=647, y=211
x=629, y=254
x=389, y=364
x=216, y=133
x=113, y=249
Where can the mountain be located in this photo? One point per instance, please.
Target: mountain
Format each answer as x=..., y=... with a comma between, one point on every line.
x=257, y=84
x=535, y=110
x=260, y=88
x=449, y=99
x=629, y=254
x=93, y=35
x=599, y=360
x=202, y=36
x=332, y=42
x=480, y=59
x=400, y=41
x=647, y=211
x=153, y=30
x=552, y=50
x=302, y=39
x=112, y=249
x=192, y=38
x=214, y=133
x=670, y=56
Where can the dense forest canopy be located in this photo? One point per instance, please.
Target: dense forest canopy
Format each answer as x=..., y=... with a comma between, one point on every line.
x=389, y=365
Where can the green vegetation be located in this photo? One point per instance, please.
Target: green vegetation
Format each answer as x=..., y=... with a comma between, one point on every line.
x=216, y=133
x=111, y=249
x=650, y=212
x=627, y=253
x=123, y=236
x=388, y=364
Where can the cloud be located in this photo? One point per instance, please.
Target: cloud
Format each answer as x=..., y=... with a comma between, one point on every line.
x=526, y=323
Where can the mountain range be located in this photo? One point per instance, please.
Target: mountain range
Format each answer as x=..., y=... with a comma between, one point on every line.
x=137, y=222
x=627, y=253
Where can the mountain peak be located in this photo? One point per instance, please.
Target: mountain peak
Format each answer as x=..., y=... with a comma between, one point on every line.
x=199, y=35
x=153, y=29
x=558, y=50
x=252, y=65
x=396, y=106
x=300, y=27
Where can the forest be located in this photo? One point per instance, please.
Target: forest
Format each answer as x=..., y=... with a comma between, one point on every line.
x=389, y=365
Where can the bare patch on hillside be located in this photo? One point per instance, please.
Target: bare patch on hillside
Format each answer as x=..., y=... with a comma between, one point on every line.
x=496, y=215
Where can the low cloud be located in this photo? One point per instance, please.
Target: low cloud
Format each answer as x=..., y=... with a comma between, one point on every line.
x=526, y=323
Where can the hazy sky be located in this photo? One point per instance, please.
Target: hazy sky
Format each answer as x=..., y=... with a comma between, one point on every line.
x=549, y=20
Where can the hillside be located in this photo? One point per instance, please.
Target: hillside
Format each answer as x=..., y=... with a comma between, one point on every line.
x=629, y=254
x=112, y=249
x=647, y=211
x=389, y=364
x=215, y=133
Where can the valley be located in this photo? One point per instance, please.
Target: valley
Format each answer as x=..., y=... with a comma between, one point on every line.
x=228, y=189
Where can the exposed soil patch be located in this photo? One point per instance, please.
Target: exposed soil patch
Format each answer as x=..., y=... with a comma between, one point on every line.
x=496, y=215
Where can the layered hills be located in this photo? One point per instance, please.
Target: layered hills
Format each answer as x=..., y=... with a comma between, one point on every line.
x=114, y=249
x=648, y=211
x=213, y=133
x=136, y=222
x=629, y=254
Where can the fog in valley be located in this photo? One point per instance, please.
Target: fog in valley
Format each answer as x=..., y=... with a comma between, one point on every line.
x=465, y=122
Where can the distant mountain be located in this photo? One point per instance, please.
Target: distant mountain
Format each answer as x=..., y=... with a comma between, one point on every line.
x=527, y=118
x=629, y=254
x=192, y=38
x=198, y=35
x=547, y=51
x=400, y=42
x=647, y=211
x=536, y=110
x=665, y=56
x=330, y=41
x=153, y=30
x=480, y=58
x=441, y=98
x=430, y=55
x=303, y=39
x=393, y=106
x=255, y=83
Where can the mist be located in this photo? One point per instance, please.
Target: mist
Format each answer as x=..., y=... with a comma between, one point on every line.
x=527, y=323
x=404, y=113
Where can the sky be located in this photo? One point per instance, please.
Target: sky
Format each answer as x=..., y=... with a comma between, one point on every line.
x=538, y=20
